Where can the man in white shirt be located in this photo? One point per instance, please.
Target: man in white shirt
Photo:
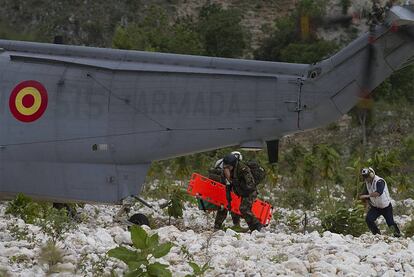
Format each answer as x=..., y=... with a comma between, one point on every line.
x=378, y=196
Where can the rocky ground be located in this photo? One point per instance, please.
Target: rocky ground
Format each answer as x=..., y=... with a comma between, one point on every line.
x=273, y=252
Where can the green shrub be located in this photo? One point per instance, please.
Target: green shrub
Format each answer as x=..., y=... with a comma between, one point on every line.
x=345, y=4
x=19, y=259
x=146, y=248
x=344, y=220
x=409, y=229
x=298, y=198
x=98, y=266
x=4, y=272
x=23, y=207
x=221, y=31
x=155, y=33
x=198, y=270
x=52, y=255
x=176, y=204
x=20, y=233
x=307, y=52
x=55, y=224
x=293, y=222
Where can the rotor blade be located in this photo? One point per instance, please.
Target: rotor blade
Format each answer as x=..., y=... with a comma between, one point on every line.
x=340, y=19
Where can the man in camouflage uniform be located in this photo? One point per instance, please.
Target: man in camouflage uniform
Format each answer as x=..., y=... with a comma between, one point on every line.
x=241, y=178
x=216, y=174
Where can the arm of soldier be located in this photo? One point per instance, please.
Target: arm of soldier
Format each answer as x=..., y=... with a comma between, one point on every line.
x=227, y=174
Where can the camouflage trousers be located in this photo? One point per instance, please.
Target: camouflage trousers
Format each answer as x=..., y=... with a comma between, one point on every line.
x=221, y=217
x=246, y=211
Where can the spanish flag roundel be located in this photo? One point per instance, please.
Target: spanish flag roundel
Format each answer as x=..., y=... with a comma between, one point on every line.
x=28, y=101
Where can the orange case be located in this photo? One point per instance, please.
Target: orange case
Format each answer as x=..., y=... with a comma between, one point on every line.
x=215, y=192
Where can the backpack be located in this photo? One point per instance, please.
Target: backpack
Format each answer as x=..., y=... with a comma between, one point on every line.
x=215, y=174
x=258, y=172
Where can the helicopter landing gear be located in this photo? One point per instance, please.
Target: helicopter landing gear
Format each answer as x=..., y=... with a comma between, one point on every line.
x=139, y=219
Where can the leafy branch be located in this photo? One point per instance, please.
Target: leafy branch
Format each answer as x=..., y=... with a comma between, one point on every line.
x=146, y=248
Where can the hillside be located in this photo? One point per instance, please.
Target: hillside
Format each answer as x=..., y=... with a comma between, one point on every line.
x=318, y=226
x=281, y=250
x=92, y=23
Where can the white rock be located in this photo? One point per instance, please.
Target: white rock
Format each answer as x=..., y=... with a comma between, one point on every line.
x=194, y=248
x=116, y=230
x=231, y=254
x=324, y=267
x=314, y=255
x=27, y=252
x=379, y=248
x=103, y=237
x=319, y=274
x=231, y=233
x=408, y=269
x=397, y=267
x=70, y=259
x=11, y=251
x=296, y=266
x=66, y=267
x=106, y=219
x=91, y=241
x=35, y=271
x=123, y=238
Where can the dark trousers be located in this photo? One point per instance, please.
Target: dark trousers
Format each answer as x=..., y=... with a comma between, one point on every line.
x=247, y=214
x=221, y=217
x=374, y=213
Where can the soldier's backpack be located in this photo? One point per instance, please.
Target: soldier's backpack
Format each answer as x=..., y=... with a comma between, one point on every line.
x=258, y=172
x=215, y=174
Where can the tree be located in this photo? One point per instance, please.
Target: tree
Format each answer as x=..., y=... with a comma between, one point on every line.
x=398, y=87
x=305, y=52
x=313, y=8
x=155, y=33
x=282, y=34
x=329, y=158
x=363, y=115
x=221, y=32
x=285, y=42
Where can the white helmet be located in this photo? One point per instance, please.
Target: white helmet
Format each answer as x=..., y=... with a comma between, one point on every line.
x=219, y=163
x=365, y=172
x=238, y=155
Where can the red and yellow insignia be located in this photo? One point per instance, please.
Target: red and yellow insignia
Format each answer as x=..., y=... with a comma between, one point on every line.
x=28, y=101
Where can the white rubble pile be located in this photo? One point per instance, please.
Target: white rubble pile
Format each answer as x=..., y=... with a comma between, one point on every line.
x=274, y=251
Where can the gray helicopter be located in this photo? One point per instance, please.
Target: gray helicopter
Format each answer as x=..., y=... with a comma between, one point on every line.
x=82, y=124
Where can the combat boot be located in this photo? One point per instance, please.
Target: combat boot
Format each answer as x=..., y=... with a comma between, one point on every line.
x=396, y=231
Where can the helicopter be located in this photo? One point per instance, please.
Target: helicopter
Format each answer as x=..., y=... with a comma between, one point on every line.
x=83, y=124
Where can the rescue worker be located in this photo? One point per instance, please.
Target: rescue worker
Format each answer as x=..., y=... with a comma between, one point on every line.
x=222, y=212
x=377, y=194
x=240, y=177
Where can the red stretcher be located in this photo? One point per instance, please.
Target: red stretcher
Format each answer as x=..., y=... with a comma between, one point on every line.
x=215, y=193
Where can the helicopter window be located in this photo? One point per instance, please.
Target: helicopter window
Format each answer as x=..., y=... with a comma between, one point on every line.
x=100, y=147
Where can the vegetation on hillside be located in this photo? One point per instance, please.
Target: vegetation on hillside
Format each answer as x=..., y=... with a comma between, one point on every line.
x=216, y=32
